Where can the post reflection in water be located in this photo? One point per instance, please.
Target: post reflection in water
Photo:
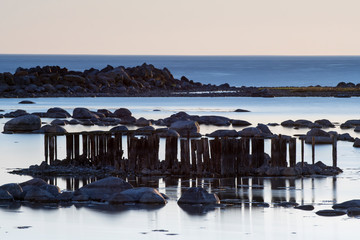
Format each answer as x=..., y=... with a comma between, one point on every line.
x=245, y=190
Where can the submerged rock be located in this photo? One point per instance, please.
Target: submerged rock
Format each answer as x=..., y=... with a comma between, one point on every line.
x=138, y=195
x=347, y=204
x=305, y=207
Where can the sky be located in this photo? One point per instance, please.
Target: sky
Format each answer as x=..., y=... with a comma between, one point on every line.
x=186, y=27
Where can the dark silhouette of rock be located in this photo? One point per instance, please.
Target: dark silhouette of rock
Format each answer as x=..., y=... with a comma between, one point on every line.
x=223, y=133
x=330, y=213
x=122, y=113
x=288, y=123
x=286, y=204
x=26, y=102
x=83, y=113
x=347, y=204
x=356, y=143
x=353, y=212
x=120, y=129
x=198, y=195
x=240, y=123
x=102, y=190
x=305, y=207
x=138, y=195
x=214, y=120
x=241, y=110
x=57, y=112
x=14, y=190
x=325, y=123
x=26, y=123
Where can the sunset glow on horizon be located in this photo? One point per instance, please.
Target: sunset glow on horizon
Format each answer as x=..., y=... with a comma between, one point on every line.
x=165, y=27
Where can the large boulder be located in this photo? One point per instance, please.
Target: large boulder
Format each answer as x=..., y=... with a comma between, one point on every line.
x=138, y=195
x=288, y=123
x=57, y=112
x=320, y=136
x=122, y=112
x=142, y=122
x=198, y=195
x=102, y=190
x=347, y=204
x=14, y=189
x=83, y=113
x=185, y=127
x=26, y=123
x=250, y=132
x=119, y=129
x=37, y=194
x=165, y=132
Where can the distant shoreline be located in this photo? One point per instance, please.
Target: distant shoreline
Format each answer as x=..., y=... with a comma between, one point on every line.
x=141, y=81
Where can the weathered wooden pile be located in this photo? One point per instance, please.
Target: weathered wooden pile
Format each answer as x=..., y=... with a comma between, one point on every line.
x=200, y=156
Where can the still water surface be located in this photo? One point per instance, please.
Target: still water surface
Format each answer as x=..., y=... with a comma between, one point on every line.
x=244, y=221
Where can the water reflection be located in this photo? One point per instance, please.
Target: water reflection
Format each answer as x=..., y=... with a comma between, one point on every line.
x=246, y=190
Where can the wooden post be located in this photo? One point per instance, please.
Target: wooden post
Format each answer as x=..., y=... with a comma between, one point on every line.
x=199, y=153
x=76, y=146
x=292, y=152
x=84, y=137
x=206, y=154
x=193, y=155
x=46, y=144
x=275, y=152
x=55, y=143
x=334, y=151
x=302, y=152
x=313, y=149
x=283, y=152
x=51, y=149
x=69, y=146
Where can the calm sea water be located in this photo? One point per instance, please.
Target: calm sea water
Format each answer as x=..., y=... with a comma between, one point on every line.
x=235, y=70
x=242, y=221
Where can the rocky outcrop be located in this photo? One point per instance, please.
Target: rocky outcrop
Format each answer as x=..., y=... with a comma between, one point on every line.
x=57, y=112
x=26, y=123
x=198, y=195
x=84, y=113
x=240, y=123
x=51, y=129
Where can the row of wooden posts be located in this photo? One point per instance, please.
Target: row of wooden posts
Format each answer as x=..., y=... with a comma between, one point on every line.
x=224, y=156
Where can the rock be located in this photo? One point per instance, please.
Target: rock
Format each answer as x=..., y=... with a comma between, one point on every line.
x=51, y=129
x=357, y=129
x=319, y=140
x=14, y=189
x=321, y=137
x=26, y=123
x=353, y=122
x=17, y=113
x=198, y=195
x=330, y=213
x=122, y=112
x=348, y=204
x=288, y=123
x=286, y=204
x=240, y=123
x=357, y=143
x=33, y=182
x=223, y=133
x=65, y=196
x=5, y=196
x=74, y=122
x=102, y=190
x=119, y=129
x=305, y=207
x=26, y=102
x=214, y=120
x=143, y=122
x=346, y=126
x=241, y=110
x=345, y=137
x=264, y=129
x=145, y=130
x=289, y=171
x=250, y=132
x=59, y=122
x=83, y=113
x=167, y=133
x=57, y=112
x=273, y=124
x=353, y=212
x=301, y=123
x=138, y=195
x=37, y=194
x=325, y=123
x=185, y=127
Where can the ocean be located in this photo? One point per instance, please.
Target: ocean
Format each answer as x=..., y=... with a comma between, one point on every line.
x=243, y=221
x=236, y=70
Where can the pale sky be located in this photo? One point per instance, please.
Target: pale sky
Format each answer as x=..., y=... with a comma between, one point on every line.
x=181, y=27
